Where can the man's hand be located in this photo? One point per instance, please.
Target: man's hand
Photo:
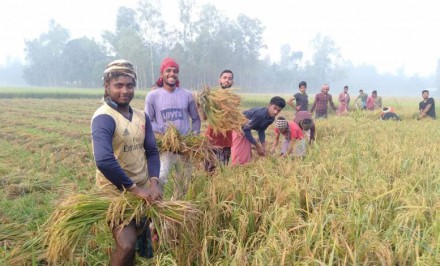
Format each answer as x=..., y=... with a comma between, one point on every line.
x=156, y=193
x=260, y=149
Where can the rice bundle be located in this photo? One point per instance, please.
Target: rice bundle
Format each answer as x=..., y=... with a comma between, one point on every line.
x=75, y=220
x=194, y=146
x=221, y=108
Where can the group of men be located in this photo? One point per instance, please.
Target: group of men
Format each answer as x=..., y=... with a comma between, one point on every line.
x=126, y=153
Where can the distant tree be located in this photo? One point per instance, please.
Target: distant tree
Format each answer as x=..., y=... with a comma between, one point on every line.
x=154, y=34
x=327, y=63
x=11, y=74
x=83, y=61
x=43, y=56
x=127, y=43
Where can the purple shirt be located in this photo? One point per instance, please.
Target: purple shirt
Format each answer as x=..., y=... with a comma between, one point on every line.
x=177, y=107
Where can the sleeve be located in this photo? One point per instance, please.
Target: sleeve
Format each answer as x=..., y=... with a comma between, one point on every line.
x=103, y=128
x=314, y=103
x=196, y=123
x=150, y=112
x=330, y=100
x=250, y=114
x=262, y=135
x=151, y=150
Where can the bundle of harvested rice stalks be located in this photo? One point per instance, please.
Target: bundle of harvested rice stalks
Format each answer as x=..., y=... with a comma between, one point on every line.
x=221, y=109
x=76, y=219
x=196, y=147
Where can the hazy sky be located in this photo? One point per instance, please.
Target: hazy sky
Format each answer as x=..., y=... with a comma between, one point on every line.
x=388, y=34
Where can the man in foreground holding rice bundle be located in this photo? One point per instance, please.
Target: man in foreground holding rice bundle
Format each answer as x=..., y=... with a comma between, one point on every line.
x=222, y=142
x=169, y=105
x=125, y=151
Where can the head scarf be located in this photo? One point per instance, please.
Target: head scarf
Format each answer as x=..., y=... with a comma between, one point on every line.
x=281, y=124
x=166, y=63
x=119, y=67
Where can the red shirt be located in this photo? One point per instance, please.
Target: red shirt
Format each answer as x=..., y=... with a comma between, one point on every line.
x=295, y=131
x=219, y=140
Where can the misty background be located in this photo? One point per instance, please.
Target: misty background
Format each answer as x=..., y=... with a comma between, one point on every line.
x=204, y=41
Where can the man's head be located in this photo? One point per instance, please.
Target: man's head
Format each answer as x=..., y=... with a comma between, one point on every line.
x=226, y=79
x=345, y=89
x=276, y=104
x=361, y=91
x=302, y=87
x=281, y=124
x=119, y=82
x=169, y=73
x=325, y=88
x=374, y=93
x=305, y=124
x=425, y=94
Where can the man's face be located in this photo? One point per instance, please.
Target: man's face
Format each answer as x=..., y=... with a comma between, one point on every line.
x=170, y=75
x=302, y=89
x=226, y=80
x=325, y=89
x=274, y=110
x=121, y=90
x=425, y=95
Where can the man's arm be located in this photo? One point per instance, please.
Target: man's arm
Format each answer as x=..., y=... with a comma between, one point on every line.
x=196, y=123
x=332, y=105
x=423, y=112
x=151, y=112
x=103, y=127
x=314, y=103
x=290, y=102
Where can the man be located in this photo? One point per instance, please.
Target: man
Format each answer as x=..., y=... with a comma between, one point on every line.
x=427, y=106
x=363, y=97
x=125, y=151
x=374, y=101
x=304, y=120
x=344, y=101
x=321, y=102
x=293, y=138
x=301, y=98
x=169, y=104
x=222, y=143
x=388, y=113
x=260, y=118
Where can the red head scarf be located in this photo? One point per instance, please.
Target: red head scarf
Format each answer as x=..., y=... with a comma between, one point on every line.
x=166, y=63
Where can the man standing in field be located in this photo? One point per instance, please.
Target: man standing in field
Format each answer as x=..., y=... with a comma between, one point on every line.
x=344, y=101
x=427, y=106
x=301, y=98
x=374, y=101
x=321, y=102
x=223, y=143
x=363, y=97
x=260, y=118
x=167, y=105
x=125, y=152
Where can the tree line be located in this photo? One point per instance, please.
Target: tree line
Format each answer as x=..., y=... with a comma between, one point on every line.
x=204, y=42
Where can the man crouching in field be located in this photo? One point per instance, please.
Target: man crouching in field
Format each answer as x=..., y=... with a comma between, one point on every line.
x=125, y=152
x=260, y=118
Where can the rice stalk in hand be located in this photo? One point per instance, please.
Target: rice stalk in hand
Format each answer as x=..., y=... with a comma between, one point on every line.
x=196, y=147
x=71, y=223
x=221, y=109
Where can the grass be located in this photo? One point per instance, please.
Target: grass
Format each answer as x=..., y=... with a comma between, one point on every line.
x=366, y=193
